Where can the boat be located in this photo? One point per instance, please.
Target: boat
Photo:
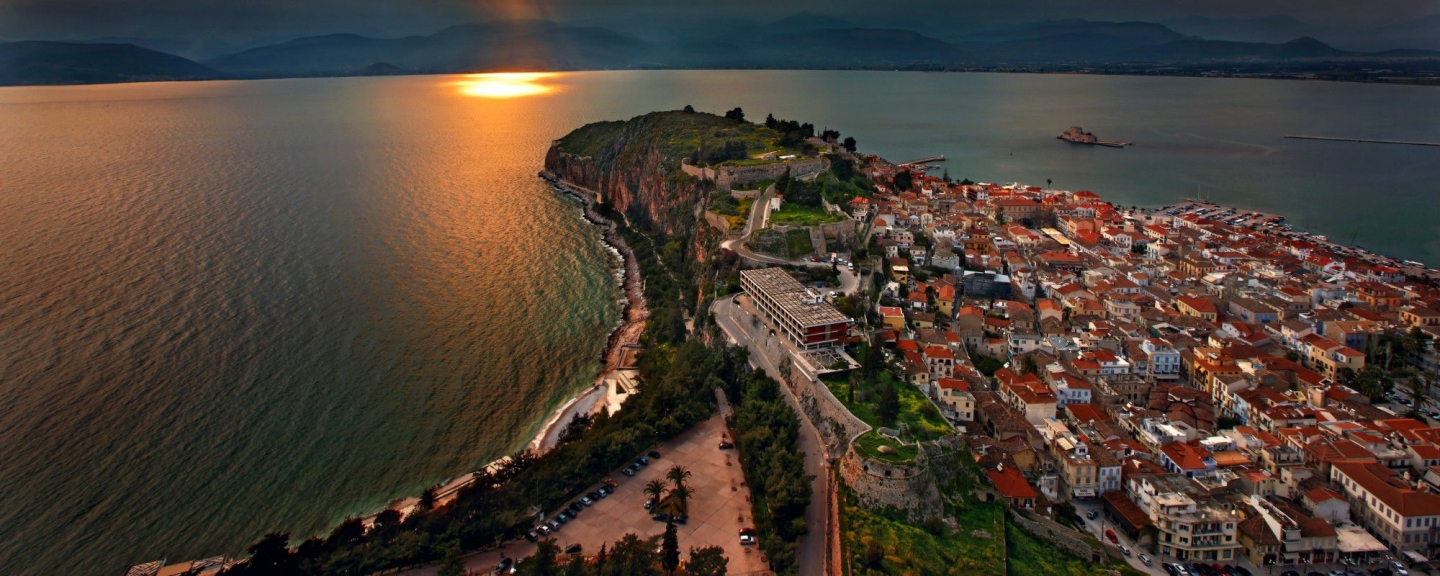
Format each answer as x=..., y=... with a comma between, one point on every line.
x=1078, y=135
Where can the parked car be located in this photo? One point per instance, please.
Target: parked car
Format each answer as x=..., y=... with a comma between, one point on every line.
x=576, y=507
x=661, y=517
x=504, y=565
x=1145, y=560
x=747, y=536
x=1091, y=515
x=543, y=529
x=628, y=471
x=654, y=455
x=532, y=535
x=1399, y=568
x=649, y=503
x=726, y=445
x=572, y=549
x=605, y=490
x=587, y=500
x=1110, y=535
x=1125, y=550
x=643, y=462
x=681, y=519
x=553, y=525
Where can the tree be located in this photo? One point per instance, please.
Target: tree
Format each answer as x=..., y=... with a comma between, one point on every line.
x=348, y=533
x=1372, y=381
x=887, y=407
x=545, y=561
x=707, y=561
x=270, y=555
x=453, y=564
x=1047, y=182
x=677, y=475
x=680, y=500
x=689, y=109
x=1417, y=386
x=1028, y=366
x=903, y=180
x=770, y=121
x=1065, y=514
x=427, y=499
x=782, y=182
x=736, y=114
x=655, y=489
x=631, y=555
x=670, y=549
x=849, y=144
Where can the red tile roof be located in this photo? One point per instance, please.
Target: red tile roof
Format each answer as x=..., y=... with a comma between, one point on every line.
x=1010, y=483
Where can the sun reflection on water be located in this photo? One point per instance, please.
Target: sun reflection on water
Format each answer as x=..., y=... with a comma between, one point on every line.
x=506, y=84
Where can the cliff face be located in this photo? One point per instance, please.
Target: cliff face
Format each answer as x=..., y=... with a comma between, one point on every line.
x=643, y=189
x=635, y=165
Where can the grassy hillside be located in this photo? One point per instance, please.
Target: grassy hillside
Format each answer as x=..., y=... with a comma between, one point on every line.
x=674, y=134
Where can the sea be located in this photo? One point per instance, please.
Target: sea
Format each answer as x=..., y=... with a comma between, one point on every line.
x=230, y=308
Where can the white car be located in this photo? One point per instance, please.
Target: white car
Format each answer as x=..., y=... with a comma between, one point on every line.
x=1399, y=568
x=747, y=537
x=1125, y=549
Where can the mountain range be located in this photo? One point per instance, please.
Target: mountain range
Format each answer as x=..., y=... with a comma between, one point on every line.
x=801, y=41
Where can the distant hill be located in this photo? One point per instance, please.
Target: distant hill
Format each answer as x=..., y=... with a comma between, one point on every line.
x=529, y=45
x=856, y=48
x=1270, y=29
x=1135, y=32
x=41, y=62
x=804, y=40
x=1207, y=50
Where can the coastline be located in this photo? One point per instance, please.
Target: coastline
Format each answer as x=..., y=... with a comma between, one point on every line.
x=601, y=393
x=626, y=334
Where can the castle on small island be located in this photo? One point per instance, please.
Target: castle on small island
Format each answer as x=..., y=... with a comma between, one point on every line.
x=1078, y=135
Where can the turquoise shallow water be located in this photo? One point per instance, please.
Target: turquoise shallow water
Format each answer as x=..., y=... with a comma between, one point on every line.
x=232, y=307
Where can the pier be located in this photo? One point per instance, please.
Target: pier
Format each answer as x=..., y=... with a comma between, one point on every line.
x=940, y=158
x=1364, y=140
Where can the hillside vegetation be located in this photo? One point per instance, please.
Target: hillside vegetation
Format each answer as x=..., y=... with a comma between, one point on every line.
x=699, y=136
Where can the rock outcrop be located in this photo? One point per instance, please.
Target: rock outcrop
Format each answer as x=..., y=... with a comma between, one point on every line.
x=634, y=167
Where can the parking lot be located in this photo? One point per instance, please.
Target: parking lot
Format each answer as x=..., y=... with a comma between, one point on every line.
x=719, y=507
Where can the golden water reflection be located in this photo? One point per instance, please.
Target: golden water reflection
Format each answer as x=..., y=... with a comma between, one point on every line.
x=506, y=84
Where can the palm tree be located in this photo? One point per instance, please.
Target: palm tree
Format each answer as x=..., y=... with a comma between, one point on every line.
x=680, y=500
x=677, y=475
x=655, y=489
x=1416, y=385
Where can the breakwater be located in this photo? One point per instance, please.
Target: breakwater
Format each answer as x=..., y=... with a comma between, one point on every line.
x=1362, y=140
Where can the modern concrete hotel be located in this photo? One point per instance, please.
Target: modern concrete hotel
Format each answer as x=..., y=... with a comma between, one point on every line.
x=801, y=314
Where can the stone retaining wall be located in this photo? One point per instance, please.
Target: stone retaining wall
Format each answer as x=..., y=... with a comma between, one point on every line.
x=725, y=177
x=1065, y=538
x=837, y=426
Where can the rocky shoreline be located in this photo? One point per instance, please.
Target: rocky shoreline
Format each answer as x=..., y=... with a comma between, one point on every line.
x=626, y=334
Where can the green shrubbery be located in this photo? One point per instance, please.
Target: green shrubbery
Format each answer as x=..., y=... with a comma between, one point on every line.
x=767, y=432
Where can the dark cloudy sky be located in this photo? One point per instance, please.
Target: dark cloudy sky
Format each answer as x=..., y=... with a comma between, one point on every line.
x=240, y=21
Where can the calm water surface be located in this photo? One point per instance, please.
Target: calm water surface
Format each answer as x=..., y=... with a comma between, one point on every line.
x=231, y=307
